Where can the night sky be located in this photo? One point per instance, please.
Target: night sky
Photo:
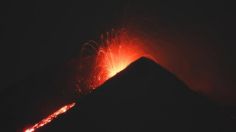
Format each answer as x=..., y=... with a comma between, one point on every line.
x=193, y=39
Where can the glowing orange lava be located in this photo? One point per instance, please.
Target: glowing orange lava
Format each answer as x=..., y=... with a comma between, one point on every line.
x=50, y=117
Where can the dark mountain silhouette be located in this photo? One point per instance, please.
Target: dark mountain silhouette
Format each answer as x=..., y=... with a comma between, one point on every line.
x=144, y=97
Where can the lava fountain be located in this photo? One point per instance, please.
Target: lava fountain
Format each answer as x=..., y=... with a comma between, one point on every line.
x=101, y=61
x=115, y=51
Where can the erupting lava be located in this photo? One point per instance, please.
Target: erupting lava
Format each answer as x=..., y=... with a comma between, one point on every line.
x=113, y=54
x=50, y=117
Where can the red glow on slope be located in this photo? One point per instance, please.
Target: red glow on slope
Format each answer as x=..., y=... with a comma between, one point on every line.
x=48, y=119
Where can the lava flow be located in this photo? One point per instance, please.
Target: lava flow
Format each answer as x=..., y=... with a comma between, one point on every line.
x=111, y=55
x=50, y=117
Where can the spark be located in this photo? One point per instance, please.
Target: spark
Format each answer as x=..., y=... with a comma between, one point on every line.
x=48, y=119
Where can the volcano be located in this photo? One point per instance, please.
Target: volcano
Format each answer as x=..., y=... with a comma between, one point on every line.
x=143, y=97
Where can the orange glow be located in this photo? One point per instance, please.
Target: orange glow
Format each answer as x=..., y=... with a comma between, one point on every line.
x=117, y=56
x=113, y=54
x=50, y=118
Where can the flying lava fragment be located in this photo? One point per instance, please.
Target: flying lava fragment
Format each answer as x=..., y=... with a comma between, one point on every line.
x=114, y=52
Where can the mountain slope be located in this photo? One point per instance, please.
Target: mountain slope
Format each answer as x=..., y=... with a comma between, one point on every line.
x=143, y=97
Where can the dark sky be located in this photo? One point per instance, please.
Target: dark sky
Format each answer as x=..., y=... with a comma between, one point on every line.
x=195, y=39
x=39, y=35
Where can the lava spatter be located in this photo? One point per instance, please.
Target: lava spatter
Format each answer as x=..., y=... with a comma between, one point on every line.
x=115, y=51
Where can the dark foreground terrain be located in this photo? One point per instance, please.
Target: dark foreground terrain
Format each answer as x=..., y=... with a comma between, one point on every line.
x=143, y=98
